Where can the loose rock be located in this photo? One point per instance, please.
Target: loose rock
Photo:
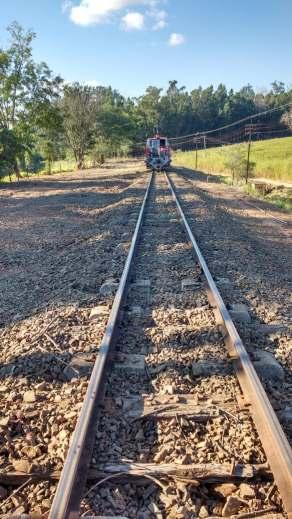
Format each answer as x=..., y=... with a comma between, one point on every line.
x=225, y=489
x=109, y=288
x=98, y=311
x=268, y=367
x=29, y=397
x=246, y=491
x=239, y=312
x=232, y=506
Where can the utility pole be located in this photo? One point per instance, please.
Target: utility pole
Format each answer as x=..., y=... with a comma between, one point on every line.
x=196, y=142
x=248, y=155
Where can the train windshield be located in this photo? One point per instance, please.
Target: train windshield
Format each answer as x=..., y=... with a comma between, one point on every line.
x=157, y=143
x=154, y=143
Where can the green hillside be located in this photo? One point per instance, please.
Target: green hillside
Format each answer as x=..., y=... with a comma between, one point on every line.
x=273, y=159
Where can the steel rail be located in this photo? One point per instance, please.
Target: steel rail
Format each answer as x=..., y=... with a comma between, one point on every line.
x=66, y=503
x=271, y=434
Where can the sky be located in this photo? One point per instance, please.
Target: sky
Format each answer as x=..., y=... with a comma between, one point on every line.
x=131, y=44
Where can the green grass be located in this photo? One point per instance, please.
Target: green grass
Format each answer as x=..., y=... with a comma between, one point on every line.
x=281, y=197
x=273, y=159
x=281, y=201
x=61, y=166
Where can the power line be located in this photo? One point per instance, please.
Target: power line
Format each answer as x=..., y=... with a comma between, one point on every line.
x=248, y=118
x=214, y=140
x=184, y=142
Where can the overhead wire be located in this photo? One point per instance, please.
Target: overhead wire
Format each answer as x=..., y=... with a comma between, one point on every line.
x=230, y=125
x=183, y=139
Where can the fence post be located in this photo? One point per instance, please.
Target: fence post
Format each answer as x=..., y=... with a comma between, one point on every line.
x=248, y=156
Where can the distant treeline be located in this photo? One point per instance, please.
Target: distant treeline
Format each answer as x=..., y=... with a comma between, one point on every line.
x=43, y=120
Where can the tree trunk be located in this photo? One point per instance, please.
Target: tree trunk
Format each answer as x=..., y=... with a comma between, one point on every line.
x=16, y=171
x=80, y=163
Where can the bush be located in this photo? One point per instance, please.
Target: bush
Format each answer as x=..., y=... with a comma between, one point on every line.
x=236, y=163
x=35, y=164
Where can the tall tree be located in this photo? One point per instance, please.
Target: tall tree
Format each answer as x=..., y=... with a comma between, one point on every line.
x=149, y=111
x=27, y=91
x=26, y=88
x=79, y=107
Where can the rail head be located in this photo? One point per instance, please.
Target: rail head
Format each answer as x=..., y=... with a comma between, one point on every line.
x=272, y=436
x=68, y=495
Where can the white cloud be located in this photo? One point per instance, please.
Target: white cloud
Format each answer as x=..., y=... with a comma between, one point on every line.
x=160, y=17
x=160, y=25
x=91, y=12
x=133, y=21
x=176, y=39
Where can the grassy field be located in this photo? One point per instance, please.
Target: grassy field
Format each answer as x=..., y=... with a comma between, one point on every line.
x=273, y=159
x=61, y=166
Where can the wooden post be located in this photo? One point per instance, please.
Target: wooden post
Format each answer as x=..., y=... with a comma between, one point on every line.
x=248, y=156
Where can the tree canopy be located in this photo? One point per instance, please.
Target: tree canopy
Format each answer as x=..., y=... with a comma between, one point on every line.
x=43, y=119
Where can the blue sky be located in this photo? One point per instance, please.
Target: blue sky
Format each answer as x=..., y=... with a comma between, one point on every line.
x=131, y=44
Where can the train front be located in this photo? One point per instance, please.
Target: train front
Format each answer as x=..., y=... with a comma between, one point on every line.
x=158, y=153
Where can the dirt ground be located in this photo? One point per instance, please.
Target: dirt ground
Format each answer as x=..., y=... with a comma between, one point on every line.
x=247, y=244
x=61, y=237
x=52, y=230
x=244, y=239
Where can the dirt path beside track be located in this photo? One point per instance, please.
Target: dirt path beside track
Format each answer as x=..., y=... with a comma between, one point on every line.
x=61, y=238
x=53, y=231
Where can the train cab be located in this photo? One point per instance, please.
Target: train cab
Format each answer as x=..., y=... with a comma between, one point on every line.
x=157, y=153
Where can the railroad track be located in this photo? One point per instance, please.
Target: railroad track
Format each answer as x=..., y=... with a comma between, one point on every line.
x=175, y=422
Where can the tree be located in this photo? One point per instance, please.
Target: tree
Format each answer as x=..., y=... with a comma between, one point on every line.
x=27, y=91
x=278, y=87
x=16, y=70
x=35, y=163
x=287, y=119
x=148, y=111
x=50, y=139
x=236, y=162
x=10, y=147
x=26, y=88
x=115, y=125
x=79, y=107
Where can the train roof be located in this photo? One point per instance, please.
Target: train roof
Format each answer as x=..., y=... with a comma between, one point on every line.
x=157, y=137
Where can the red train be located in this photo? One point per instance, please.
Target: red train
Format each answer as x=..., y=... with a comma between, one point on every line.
x=157, y=153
